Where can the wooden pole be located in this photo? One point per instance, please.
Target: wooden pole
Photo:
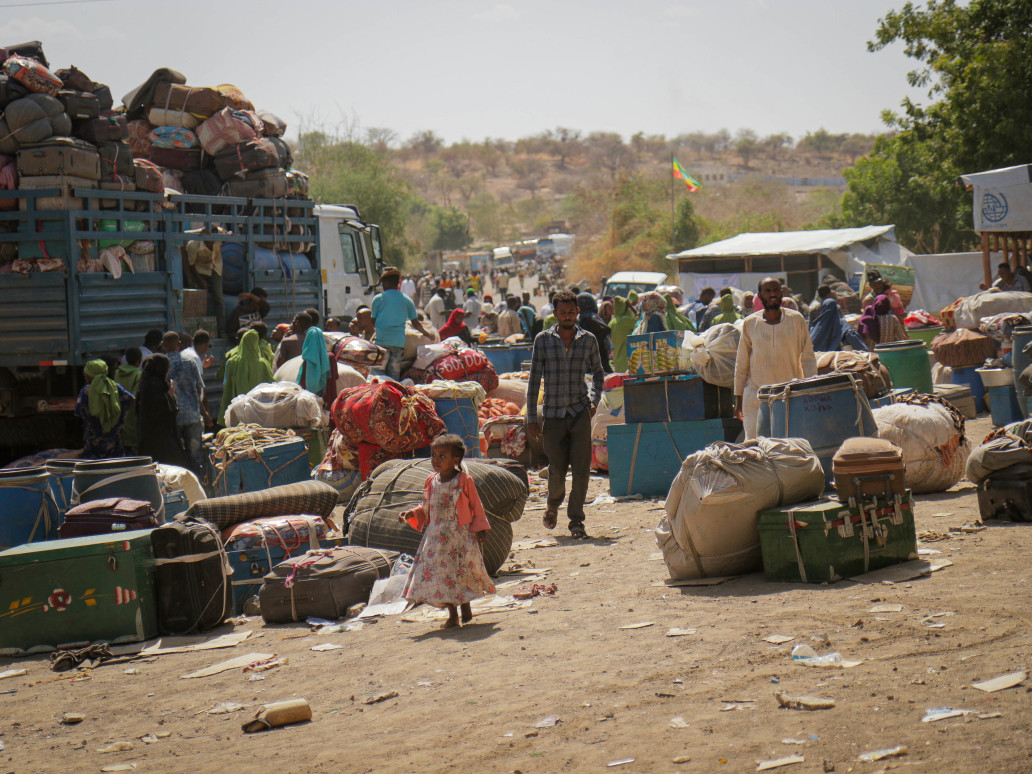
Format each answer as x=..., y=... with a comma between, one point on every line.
x=985, y=259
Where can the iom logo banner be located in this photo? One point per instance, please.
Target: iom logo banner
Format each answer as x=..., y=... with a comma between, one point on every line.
x=994, y=206
x=1003, y=208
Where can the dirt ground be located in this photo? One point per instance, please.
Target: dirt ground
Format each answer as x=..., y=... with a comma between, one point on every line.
x=472, y=699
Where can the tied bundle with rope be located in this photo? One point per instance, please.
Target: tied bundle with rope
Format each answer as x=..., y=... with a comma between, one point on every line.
x=277, y=456
x=1005, y=447
x=930, y=431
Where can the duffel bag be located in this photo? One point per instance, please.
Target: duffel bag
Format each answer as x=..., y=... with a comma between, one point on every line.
x=74, y=78
x=297, y=184
x=236, y=162
x=290, y=533
x=116, y=158
x=228, y=127
x=191, y=577
x=323, y=583
x=79, y=105
x=272, y=124
x=286, y=159
x=458, y=366
x=148, y=176
x=109, y=127
x=10, y=90
x=312, y=497
x=139, y=138
x=183, y=159
x=162, y=117
x=264, y=184
x=202, y=102
x=33, y=75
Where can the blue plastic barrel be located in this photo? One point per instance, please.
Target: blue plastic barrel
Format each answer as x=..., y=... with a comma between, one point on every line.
x=28, y=513
x=234, y=265
x=460, y=417
x=499, y=356
x=970, y=378
x=520, y=354
x=133, y=477
x=825, y=410
x=61, y=477
x=176, y=503
x=1003, y=405
x=1020, y=361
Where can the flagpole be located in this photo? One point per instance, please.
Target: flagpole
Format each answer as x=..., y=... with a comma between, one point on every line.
x=671, y=203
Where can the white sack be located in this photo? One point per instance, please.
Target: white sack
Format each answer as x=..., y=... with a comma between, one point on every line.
x=935, y=450
x=280, y=404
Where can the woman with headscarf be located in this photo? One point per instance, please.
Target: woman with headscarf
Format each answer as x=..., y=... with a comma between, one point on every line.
x=245, y=370
x=727, y=313
x=879, y=325
x=620, y=327
x=675, y=321
x=605, y=310
x=102, y=406
x=318, y=372
x=589, y=321
x=156, y=410
x=652, y=309
x=456, y=326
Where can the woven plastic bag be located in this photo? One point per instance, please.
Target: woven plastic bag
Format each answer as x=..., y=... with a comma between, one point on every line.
x=930, y=431
x=714, y=353
x=279, y=404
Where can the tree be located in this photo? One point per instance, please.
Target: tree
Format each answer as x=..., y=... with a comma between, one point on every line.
x=774, y=143
x=563, y=143
x=819, y=142
x=608, y=152
x=746, y=145
x=974, y=61
x=452, y=228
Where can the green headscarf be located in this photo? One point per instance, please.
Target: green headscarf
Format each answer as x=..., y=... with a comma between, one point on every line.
x=104, y=402
x=675, y=321
x=728, y=313
x=620, y=327
x=245, y=370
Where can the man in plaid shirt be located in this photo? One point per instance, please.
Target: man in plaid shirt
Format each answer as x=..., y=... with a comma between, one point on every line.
x=563, y=355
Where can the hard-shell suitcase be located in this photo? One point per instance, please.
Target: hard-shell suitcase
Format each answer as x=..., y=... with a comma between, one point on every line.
x=104, y=99
x=1007, y=494
x=106, y=516
x=273, y=465
x=825, y=541
x=69, y=593
x=116, y=158
x=866, y=467
x=184, y=159
x=60, y=156
x=323, y=583
x=148, y=176
x=265, y=184
x=108, y=127
x=191, y=577
x=79, y=105
x=65, y=184
x=238, y=161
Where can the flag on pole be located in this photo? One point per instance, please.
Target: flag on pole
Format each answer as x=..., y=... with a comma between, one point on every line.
x=690, y=182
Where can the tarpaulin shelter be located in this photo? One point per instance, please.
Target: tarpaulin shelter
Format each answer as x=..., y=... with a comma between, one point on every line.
x=1003, y=214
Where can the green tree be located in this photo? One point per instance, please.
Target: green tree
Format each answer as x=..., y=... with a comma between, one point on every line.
x=452, y=228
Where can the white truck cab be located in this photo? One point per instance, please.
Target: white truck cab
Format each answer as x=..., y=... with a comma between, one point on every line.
x=352, y=258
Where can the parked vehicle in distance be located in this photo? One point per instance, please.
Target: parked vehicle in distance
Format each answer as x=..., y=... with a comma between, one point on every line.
x=623, y=282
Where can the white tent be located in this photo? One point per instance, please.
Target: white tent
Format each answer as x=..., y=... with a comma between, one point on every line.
x=1003, y=198
x=939, y=280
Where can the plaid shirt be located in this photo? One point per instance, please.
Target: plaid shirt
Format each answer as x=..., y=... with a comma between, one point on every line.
x=566, y=394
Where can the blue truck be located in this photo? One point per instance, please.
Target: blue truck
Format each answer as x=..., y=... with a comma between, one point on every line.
x=52, y=322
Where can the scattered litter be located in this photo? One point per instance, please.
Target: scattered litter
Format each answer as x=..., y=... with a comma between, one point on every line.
x=152, y=738
x=677, y=632
x=133, y=671
x=788, y=740
x=639, y=625
x=119, y=767
x=694, y=582
x=325, y=646
x=678, y=722
x=603, y=500
x=989, y=715
x=732, y=707
x=803, y=702
x=807, y=656
x=225, y=666
x=1008, y=680
x=971, y=526
x=13, y=673
x=523, y=545
x=425, y=683
x=922, y=551
x=536, y=590
x=931, y=536
x=225, y=708
x=255, y=678
x=664, y=695
x=655, y=556
x=629, y=498
x=779, y=762
x=879, y=755
x=496, y=603
x=185, y=644
x=620, y=762
x=548, y=722
x=72, y=718
x=935, y=626
x=265, y=664
x=277, y=714
x=116, y=747
x=778, y=639
x=886, y=609
x=905, y=571
x=681, y=759
x=933, y=616
x=933, y=714
x=381, y=697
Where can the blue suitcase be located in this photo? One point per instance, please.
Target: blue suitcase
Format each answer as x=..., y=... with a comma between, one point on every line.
x=275, y=465
x=680, y=398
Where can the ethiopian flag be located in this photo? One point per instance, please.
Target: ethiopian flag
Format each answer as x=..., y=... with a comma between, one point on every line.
x=690, y=182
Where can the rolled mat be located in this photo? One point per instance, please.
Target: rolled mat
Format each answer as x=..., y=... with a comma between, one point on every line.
x=311, y=497
x=397, y=485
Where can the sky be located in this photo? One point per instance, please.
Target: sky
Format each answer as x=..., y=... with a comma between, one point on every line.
x=498, y=69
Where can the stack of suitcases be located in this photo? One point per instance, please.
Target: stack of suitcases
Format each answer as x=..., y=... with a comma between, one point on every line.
x=669, y=413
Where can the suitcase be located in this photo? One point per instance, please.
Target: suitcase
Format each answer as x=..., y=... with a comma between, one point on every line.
x=74, y=78
x=108, y=127
x=236, y=162
x=201, y=102
x=79, y=105
x=148, y=176
x=32, y=49
x=183, y=159
x=266, y=184
x=111, y=514
x=680, y=398
x=104, y=99
x=66, y=185
x=868, y=467
x=116, y=158
x=324, y=583
x=275, y=465
x=825, y=541
x=251, y=565
x=191, y=577
x=60, y=156
x=297, y=188
x=1007, y=494
x=69, y=593
x=118, y=183
x=960, y=396
x=283, y=151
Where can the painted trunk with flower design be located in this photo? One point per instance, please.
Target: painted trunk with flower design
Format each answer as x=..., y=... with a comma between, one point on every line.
x=75, y=592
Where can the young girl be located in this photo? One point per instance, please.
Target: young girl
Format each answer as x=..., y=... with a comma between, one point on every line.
x=449, y=568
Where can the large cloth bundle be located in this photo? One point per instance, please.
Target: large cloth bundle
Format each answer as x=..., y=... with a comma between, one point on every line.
x=398, y=485
x=873, y=377
x=455, y=368
x=33, y=75
x=1004, y=448
x=312, y=497
x=172, y=478
x=279, y=404
x=34, y=118
x=963, y=348
x=388, y=415
x=511, y=391
x=711, y=510
x=930, y=431
x=969, y=311
x=347, y=376
x=714, y=352
x=356, y=352
x=226, y=128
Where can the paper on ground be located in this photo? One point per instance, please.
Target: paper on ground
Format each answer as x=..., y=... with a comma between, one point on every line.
x=678, y=632
x=224, y=666
x=166, y=645
x=13, y=673
x=905, y=571
x=778, y=763
x=639, y=625
x=777, y=639
x=482, y=606
x=1008, y=680
x=886, y=609
x=522, y=545
x=694, y=581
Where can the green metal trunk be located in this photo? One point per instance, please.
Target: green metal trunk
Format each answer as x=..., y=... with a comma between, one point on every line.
x=73, y=592
x=824, y=541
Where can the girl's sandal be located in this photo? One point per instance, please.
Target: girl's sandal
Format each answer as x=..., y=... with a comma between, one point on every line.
x=551, y=518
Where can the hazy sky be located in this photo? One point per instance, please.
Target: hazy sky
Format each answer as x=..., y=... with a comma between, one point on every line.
x=499, y=69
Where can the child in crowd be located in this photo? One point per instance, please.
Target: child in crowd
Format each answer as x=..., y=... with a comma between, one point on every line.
x=449, y=568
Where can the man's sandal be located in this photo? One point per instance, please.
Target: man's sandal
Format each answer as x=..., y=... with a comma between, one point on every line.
x=551, y=518
x=577, y=532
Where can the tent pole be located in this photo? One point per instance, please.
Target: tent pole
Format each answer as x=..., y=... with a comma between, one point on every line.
x=985, y=258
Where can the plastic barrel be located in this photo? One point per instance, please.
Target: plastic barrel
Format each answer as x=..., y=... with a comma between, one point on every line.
x=521, y=353
x=133, y=477
x=61, y=477
x=1003, y=405
x=908, y=364
x=499, y=356
x=970, y=378
x=825, y=410
x=28, y=512
x=1021, y=361
x=460, y=417
x=925, y=334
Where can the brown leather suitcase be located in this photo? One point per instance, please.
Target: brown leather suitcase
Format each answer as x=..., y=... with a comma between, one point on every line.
x=109, y=127
x=868, y=467
x=116, y=158
x=65, y=199
x=119, y=183
x=79, y=105
x=60, y=156
x=265, y=184
x=112, y=514
x=183, y=159
x=240, y=160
